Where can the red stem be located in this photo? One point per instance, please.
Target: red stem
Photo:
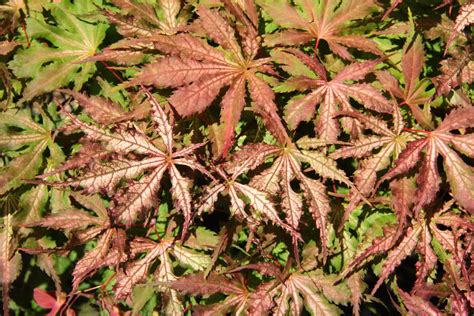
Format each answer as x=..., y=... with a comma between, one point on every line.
x=316, y=47
x=111, y=70
x=23, y=26
x=411, y=130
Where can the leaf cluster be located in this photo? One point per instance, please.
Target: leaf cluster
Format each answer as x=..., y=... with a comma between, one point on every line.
x=236, y=157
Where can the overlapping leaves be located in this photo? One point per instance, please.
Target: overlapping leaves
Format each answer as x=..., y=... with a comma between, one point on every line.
x=374, y=180
x=138, y=23
x=441, y=141
x=330, y=96
x=144, y=175
x=200, y=71
x=320, y=20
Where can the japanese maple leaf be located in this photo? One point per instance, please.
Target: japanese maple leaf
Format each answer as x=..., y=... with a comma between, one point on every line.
x=5, y=76
x=441, y=141
x=83, y=227
x=25, y=145
x=464, y=18
x=331, y=95
x=137, y=19
x=454, y=73
x=417, y=305
x=125, y=146
x=320, y=20
x=453, y=289
x=137, y=22
x=72, y=39
x=308, y=287
x=414, y=92
x=239, y=298
x=199, y=71
x=104, y=111
x=136, y=272
x=276, y=181
x=313, y=290
x=455, y=286
x=20, y=131
x=387, y=145
x=418, y=236
x=258, y=200
x=445, y=226
x=13, y=11
x=284, y=294
x=434, y=236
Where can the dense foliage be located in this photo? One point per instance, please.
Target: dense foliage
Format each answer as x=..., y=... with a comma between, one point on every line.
x=247, y=157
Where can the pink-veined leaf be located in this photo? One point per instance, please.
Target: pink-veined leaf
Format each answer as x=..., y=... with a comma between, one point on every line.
x=199, y=71
x=323, y=21
x=395, y=256
x=331, y=96
x=464, y=18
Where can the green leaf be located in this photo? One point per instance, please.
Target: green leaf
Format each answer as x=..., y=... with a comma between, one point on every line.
x=141, y=295
x=23, y=167
x=71, y=39
x=193, y=259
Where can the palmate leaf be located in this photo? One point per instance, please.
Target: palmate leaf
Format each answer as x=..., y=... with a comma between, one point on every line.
x=72, y=40
x=261, y=207
x=130, y=202
x=26, y=143
x=409, y=202
x=200, y=71
x=284, y=294
x=211, y=60
x=138, y=22
x=464, y=18
x=435, y=231
x=460, y=175
x=455, y=72
x=138, y=19
x=83, y=227
x=331, y=95
x=388, y=144
x=314, y=290
x=137, y=271
x=240, y=299
x=418, y=238
x=102, y=110
x=276, y=181
x=415, y=91
x=319, y=20
x=20, y=132
x=10, y=14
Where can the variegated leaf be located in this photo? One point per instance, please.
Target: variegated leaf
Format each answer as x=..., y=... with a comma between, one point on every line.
x=139, y=196
x=395, y=256
x=106, y=176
